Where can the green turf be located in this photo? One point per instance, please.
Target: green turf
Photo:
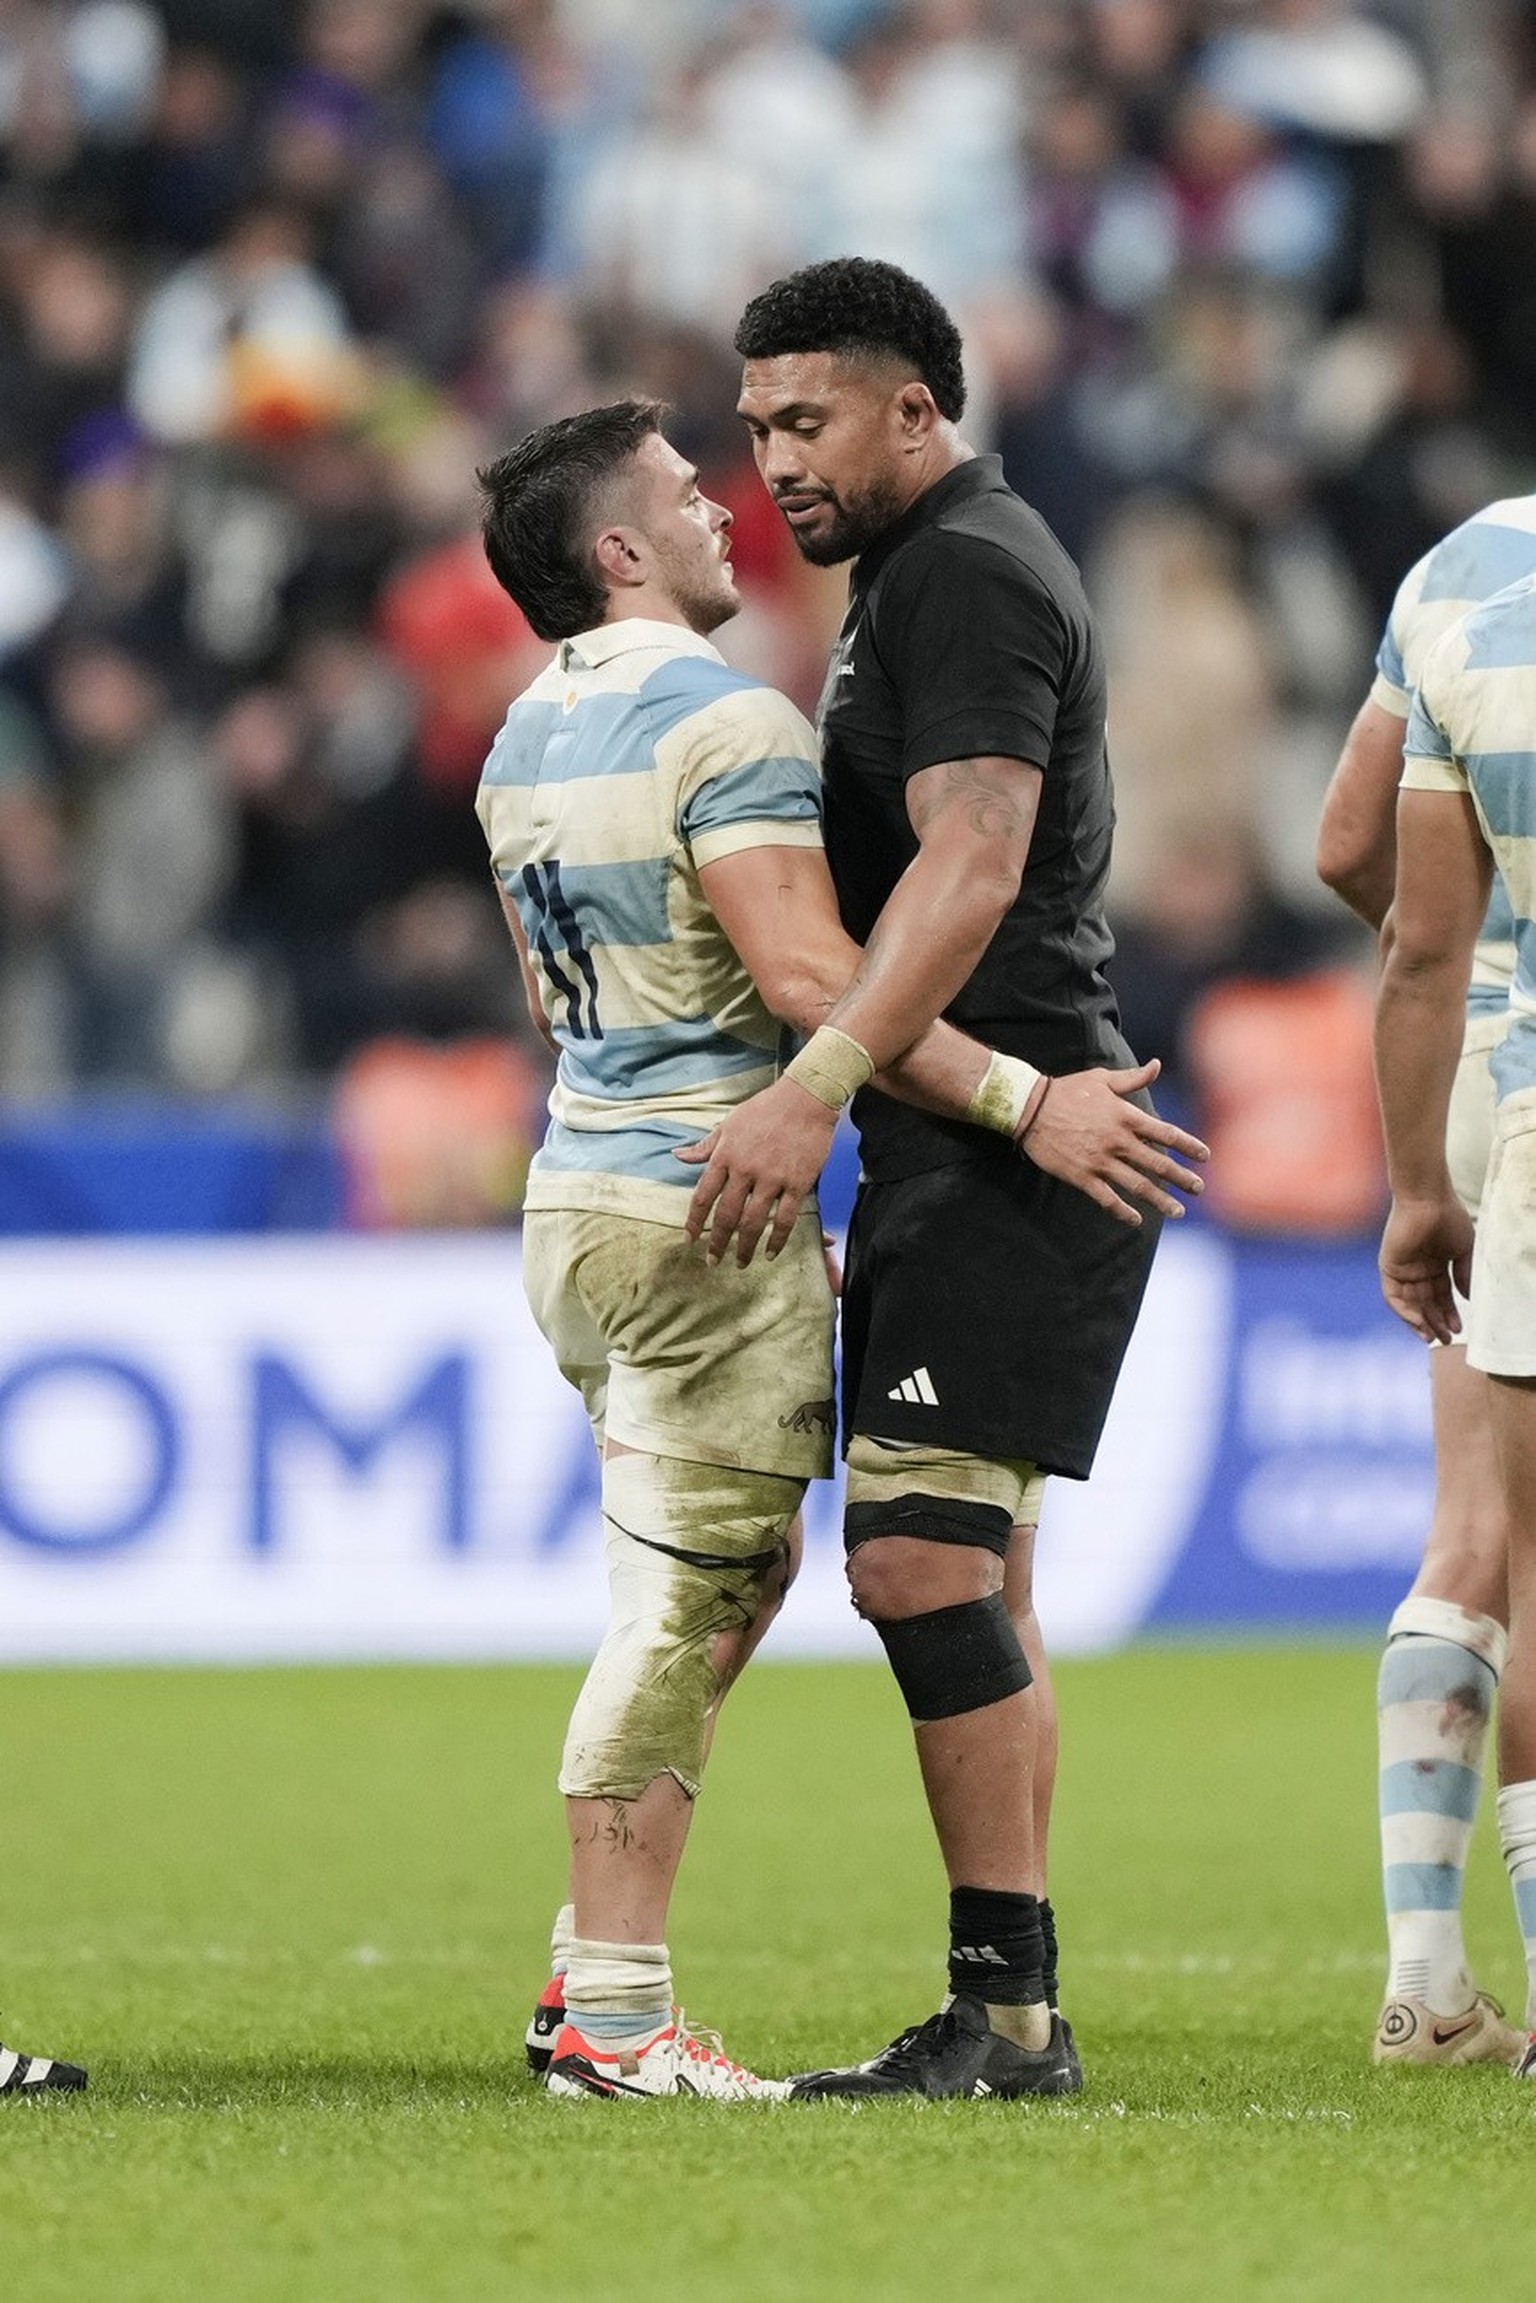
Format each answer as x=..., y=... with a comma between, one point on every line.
x=293, y=1919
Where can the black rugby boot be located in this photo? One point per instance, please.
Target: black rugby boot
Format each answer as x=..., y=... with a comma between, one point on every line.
x=1070, y=2057
x=38, y=2075
x=955, y=2053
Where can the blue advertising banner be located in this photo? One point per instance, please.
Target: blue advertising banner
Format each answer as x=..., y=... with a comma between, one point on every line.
x=1318, y=1490
x=251, y=1449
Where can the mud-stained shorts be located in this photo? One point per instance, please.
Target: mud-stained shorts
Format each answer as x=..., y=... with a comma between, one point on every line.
x=1501, y=1337
x=1469, y=1126
x=713, y=1366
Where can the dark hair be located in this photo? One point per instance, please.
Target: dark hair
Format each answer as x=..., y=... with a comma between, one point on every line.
x=540, y=501
x=854, y=304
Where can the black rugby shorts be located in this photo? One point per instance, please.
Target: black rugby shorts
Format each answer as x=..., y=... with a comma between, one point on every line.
x=987, y=1308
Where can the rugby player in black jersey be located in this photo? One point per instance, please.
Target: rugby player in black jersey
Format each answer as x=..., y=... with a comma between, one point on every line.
x=992, y=1285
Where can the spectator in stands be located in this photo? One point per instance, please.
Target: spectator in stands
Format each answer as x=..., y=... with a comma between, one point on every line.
x=273, y=280
x=248, y=331
x=152, y=850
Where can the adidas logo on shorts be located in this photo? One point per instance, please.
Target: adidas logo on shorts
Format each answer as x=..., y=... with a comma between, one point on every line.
x=916, y=1389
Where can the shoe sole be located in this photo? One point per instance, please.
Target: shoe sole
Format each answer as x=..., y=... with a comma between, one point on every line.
x=1052, y=2086
x=1443, y=2059
x=574, y=2081
x=74, y=2083
x=573, y=2077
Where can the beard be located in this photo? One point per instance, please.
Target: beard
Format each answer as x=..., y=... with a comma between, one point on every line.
x=856, y=523
x=704, y=589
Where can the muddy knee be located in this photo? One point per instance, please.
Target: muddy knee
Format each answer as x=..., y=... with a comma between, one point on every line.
x=694, y=1551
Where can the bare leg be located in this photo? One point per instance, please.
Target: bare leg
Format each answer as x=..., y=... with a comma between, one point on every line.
x=978, y=1768
x=1514, y=1425
x=624, y=1859
x=1466, y=1556
x=1019, y=1592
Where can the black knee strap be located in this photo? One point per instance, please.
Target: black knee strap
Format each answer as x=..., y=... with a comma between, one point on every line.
x=956, y=1659
x=936, y=1518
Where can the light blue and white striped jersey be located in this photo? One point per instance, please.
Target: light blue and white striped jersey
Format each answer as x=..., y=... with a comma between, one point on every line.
x=1497, y=546
x=635, y=758
x=1473, y=729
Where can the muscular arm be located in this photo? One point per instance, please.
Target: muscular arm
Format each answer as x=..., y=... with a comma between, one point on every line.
x=779, y=908
x=973, y=820
x=1444, y=870
x=1357, y=832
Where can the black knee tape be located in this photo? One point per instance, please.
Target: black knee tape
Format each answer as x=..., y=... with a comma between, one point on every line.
x=956, y=1659
x=937, y=1518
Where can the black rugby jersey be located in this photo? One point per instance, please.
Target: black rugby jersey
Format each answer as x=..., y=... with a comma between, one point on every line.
x=968, y=634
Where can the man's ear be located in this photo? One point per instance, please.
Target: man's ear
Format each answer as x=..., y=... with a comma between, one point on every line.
x=917, y=414
x=619, y=557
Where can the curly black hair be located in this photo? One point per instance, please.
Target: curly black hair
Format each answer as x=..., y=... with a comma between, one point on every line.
x=538, y=508
x=853, y=304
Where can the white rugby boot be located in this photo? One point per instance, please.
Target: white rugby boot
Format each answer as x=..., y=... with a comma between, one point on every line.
x=673, y=2061
x=1409, y=2032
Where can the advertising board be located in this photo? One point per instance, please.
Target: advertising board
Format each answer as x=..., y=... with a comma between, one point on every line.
x=337, y=1447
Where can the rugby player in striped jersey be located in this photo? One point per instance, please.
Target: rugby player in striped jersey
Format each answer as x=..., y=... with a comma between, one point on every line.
x=1446, y=1643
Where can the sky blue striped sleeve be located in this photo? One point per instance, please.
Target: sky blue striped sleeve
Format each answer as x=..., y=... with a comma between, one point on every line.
x=1426, y=739
x=785, y=790
x=1389, y=659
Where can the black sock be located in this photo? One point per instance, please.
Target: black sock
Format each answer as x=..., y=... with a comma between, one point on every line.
x=995, y=1947
x=1048, y=1942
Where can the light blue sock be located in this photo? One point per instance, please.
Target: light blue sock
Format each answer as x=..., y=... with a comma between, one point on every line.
x=1517, y=1837
x=1434, y=1699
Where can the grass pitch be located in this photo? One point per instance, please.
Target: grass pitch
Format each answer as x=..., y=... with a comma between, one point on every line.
x=293, y=1921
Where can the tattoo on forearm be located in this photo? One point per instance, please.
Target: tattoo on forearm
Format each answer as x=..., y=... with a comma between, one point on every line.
x=988, y=794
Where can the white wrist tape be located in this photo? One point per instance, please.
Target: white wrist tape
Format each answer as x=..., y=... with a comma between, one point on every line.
x=831, y=1067
x=1003, y=1094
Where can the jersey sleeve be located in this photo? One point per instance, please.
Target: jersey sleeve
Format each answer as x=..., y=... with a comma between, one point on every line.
x=1429, y=758
x=747, y=777
x=977, y=650
x=1392, y=687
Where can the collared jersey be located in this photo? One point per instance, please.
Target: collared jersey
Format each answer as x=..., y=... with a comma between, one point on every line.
x=1496, y=547
x=1473, y=729
x=637, y=757
x=968, y=635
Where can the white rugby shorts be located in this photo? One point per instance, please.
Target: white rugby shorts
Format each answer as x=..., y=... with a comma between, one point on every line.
x=1501, y=1336
x=712, y=1366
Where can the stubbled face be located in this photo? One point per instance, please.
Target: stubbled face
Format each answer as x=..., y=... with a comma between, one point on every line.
x=690, y=535
x=828, y=439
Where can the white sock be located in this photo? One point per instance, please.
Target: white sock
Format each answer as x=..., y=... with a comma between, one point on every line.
x=618, y=1991
x=1517, y=1837
x=561, y=1937
x=1434, y=1699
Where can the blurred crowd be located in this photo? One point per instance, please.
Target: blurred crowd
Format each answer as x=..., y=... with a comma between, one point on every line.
x=1249, y=293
